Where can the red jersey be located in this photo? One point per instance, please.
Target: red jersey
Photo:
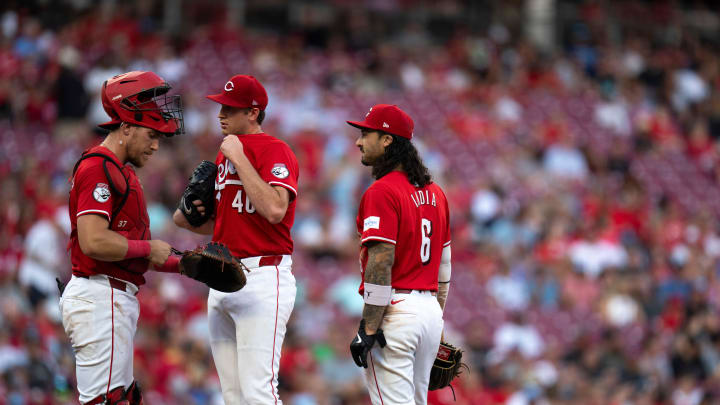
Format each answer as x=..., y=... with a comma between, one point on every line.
x=415, y=220
x=244, y=231
x=92, y=193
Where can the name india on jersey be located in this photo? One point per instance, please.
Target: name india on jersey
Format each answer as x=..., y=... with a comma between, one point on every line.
x=421, y=197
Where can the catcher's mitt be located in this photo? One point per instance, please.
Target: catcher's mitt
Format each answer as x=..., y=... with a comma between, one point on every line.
x=201, y=187
x=447, y=366
x=214, y=265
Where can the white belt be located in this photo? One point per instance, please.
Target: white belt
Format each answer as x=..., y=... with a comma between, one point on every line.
x=263, y=261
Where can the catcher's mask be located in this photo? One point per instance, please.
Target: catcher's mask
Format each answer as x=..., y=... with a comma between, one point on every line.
x=141, y=98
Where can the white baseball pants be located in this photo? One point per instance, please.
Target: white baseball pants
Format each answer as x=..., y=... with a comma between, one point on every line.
x=100, y=322
x=399, y=373
x=247, y=329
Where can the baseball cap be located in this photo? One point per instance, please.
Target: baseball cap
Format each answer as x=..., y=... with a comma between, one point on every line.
x=387, y=118
x=242, y=91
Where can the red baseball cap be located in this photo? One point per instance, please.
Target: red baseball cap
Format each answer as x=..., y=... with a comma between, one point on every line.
x=242, y=91
x=387, y=118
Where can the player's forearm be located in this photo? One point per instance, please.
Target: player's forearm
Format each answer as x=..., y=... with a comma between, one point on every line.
x=444, y=275
x=267, y=200
x=378, y=271
x=373, y=316
x=103, y=244
x=205, y=229
x=442, y=294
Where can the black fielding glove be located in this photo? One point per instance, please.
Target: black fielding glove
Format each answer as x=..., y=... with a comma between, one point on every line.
x=201, y=187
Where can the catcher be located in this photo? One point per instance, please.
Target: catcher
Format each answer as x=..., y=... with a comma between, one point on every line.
x=110, y=246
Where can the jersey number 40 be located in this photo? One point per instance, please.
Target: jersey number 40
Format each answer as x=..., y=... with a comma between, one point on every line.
x=238, y=203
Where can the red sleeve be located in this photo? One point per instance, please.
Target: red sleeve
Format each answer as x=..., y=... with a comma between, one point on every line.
x=279, y=167
x=93, y=192
x=378, y=216
x=446, y=237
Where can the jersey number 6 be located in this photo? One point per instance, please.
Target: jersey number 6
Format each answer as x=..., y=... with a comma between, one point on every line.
x=426, y=231
x=238, y=203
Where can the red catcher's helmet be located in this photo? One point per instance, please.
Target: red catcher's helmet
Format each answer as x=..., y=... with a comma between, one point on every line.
x=141, y=98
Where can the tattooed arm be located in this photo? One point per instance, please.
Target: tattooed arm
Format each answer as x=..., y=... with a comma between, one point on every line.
x=378, y=270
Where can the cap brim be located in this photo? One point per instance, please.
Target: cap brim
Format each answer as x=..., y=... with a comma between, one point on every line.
x=167, y=129
x=110, y=124
x=225, y=100
x=361, y=125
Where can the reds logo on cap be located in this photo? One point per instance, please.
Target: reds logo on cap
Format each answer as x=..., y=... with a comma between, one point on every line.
x=242, y=91
x=387, y=118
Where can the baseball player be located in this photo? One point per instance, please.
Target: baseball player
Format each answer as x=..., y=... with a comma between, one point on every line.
x=403, y=222
x=255, y=195
x=110, y=245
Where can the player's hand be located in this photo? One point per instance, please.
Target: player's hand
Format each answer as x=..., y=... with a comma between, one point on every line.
x=159, y=252
x=200, y=207
x=362, y=343
x=231, y=147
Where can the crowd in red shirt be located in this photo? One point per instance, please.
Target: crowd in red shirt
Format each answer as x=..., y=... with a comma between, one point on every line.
x=582, y=182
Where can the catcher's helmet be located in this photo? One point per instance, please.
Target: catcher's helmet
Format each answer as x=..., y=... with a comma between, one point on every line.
x=141, y=98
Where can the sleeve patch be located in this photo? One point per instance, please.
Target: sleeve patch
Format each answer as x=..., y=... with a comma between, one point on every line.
x=371, y=223
x=101, y=193
x=280, y=171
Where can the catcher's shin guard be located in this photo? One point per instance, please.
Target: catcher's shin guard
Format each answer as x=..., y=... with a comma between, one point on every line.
x=133, y=394
x=115, y=397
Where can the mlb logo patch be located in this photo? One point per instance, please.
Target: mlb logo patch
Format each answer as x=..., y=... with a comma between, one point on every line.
x=371, y=223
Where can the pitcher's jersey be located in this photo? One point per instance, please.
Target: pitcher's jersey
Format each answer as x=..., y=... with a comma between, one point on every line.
x=415, y=220
x=237, y=224
x=93, y=193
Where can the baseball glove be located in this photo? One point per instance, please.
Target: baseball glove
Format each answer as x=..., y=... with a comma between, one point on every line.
x=201, y=187
x=447, y=366
x=214, y=265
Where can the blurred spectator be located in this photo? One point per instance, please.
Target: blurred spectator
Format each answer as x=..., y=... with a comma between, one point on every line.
x=44, y=257
x=563, y=160
x=597, y=252
x=516, y=335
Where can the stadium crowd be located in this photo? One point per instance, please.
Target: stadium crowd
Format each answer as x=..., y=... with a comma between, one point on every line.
x=583, y=183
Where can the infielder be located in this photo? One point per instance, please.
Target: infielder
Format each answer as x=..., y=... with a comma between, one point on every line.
x=255, y=191
x=110, y=246
x=403, y=222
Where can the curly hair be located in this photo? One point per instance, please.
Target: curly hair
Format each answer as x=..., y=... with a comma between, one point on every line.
x=402, y=152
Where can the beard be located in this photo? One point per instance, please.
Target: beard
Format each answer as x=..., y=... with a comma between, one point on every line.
x=368, y=160
x=136, y=161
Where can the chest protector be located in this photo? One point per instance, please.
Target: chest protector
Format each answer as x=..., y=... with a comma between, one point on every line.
x=129, y=215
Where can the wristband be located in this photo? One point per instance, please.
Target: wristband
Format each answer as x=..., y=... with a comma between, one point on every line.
x=377, y=294
x=137, y=248
x=171, y=265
